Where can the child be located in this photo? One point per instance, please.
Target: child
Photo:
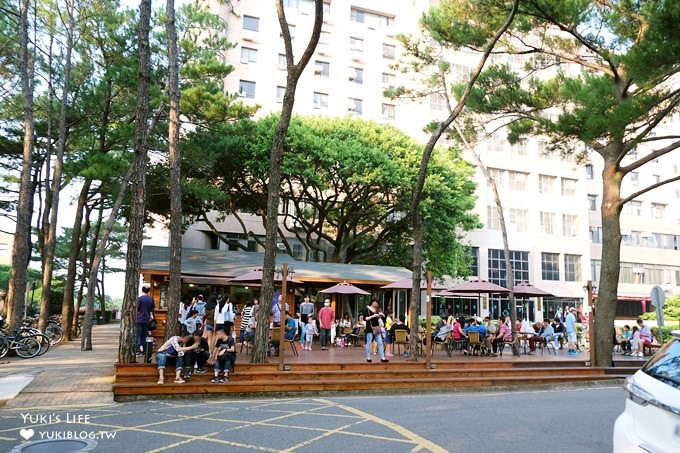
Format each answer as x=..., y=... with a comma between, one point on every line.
x=189, y=324
x=310, y=331
x=636, y=343
x=223, y=356
x=626, y=337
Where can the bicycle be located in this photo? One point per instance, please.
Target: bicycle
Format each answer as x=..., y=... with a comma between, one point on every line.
x=32, y=332
x=54, y=330
x=25, y=348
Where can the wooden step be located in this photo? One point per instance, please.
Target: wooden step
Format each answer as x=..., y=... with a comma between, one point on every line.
x=338, y=385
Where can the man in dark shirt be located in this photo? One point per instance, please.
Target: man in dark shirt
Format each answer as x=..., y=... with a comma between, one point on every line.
x=144, y=317
x=198, y=355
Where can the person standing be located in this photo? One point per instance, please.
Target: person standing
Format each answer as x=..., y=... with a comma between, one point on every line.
x=326, y=318
x=277, y=309
x=372, y=315
x=570, y=327
x=145, y=307
x=306, y=309
x=246, y=313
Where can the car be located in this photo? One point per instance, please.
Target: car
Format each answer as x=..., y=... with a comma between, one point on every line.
x=650, y=421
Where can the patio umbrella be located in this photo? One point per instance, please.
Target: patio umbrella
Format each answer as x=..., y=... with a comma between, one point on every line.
x=256, y=277
x=479, y=287
x=407, y=283
x=525, y=290
x=344, y=288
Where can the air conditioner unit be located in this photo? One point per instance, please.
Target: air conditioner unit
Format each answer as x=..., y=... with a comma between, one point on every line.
x=280, y=246
x=317, y=72
x=297, y=224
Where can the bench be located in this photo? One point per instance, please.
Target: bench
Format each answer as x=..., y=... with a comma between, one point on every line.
x=647, y=348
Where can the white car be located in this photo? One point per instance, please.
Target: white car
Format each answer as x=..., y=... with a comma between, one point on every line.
x=651, y=420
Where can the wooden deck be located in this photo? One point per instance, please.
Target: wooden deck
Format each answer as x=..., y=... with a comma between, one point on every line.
x=346, y=370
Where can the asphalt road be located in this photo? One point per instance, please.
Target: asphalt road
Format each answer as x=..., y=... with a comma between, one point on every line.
x=560, y=420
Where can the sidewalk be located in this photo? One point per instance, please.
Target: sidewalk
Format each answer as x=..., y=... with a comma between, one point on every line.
x=64, y=376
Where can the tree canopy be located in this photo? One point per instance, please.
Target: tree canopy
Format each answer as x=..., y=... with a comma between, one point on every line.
x=346, y=184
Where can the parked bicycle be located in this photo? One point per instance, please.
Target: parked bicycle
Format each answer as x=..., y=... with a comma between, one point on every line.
x=25, y=347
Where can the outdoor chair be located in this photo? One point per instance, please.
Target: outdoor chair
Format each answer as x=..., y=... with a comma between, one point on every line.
x=475, y=343
x=438, y=341
x=458, y=345
x=276, y=339
x=506, y=343
x=357, y=337
x=548, y=345
x=400, y=337
x=345, y=333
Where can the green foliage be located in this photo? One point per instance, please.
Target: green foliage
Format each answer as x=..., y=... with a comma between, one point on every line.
x=349, y=182
x=671, y=310
x=32, y=275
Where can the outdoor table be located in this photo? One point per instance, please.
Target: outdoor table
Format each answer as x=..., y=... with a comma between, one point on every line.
x=524, y=337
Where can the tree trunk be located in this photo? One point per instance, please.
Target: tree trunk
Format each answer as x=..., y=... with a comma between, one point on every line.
x=611, y=255
x=100, y=251
x=175, y=163
x=274, y=173
x=51, y=234
x=126, y=349
x=16, y=293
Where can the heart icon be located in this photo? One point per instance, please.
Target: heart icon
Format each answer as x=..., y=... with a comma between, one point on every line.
x=26, y=433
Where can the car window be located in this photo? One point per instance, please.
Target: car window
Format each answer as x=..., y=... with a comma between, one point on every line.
x=665, y=365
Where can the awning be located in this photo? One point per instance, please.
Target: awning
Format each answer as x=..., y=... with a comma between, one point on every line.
x=194, y=280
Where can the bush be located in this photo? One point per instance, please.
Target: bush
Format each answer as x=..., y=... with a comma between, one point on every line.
x=666, y=332
x=434, y=320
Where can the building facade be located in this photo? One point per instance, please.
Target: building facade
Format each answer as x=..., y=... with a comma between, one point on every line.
x=551, y=203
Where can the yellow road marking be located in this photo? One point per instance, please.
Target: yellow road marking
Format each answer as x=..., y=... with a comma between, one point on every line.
x=314, y=439
x=418, y=440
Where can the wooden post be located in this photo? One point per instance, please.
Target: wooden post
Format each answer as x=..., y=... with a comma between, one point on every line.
x=282, y=327
x=591, y=321
x=428, y=323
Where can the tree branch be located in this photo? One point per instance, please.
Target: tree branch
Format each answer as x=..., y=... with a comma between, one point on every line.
x=647, y=189
x=650, y=157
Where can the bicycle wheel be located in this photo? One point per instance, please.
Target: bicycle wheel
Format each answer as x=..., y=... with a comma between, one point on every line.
x=45, y=342
x=4, y=346
x=28, y=347
x=55, y=333
x=75, y=331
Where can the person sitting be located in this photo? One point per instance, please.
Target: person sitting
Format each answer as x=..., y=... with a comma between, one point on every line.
x=198, y=354
x=400, y=324
x=503, y=335
x=223, y=356
x=174, y=348
x=626, y=336
x=559, y=331
x=476, y=326
x=544, y=334
x=645, y=333
x=290, y=328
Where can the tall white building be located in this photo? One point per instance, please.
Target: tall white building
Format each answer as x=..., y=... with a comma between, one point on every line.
x=550, y=204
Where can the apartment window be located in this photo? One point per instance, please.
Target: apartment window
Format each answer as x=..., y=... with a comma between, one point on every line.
x=568, y=187
x=388, y=111
x=320, y=100
x=658, y=210
x=493, y=221
x=519, y=218
x=291, y=31
x=372, y=20
x=438, y=102
x=322, y=68
x=497, y=271
x=550, y=266
x=633, y=208
x=389, y=51
x=595, y=235
x=251, y=23
x=517, y=180
x=498, y=177
x=519, y=148
x=474, y=261
x=246, y=89
x=542, y=149
x=592, y=202
x=4, y=246
x=546, y=184
x=589, y=171
x=634, y=178
x=595, y=268
x=325, y=37
x=387, y=79
x=326, y=9
x=282, y=62
x=356, y=106
x=547, y=221
x=570, y=225
x=356, y=44
x=657, y=179
x=298, y=251
x=572, y=268
x=356, y=75
x=280, y=92
x=495, y=144
x=248, y=55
